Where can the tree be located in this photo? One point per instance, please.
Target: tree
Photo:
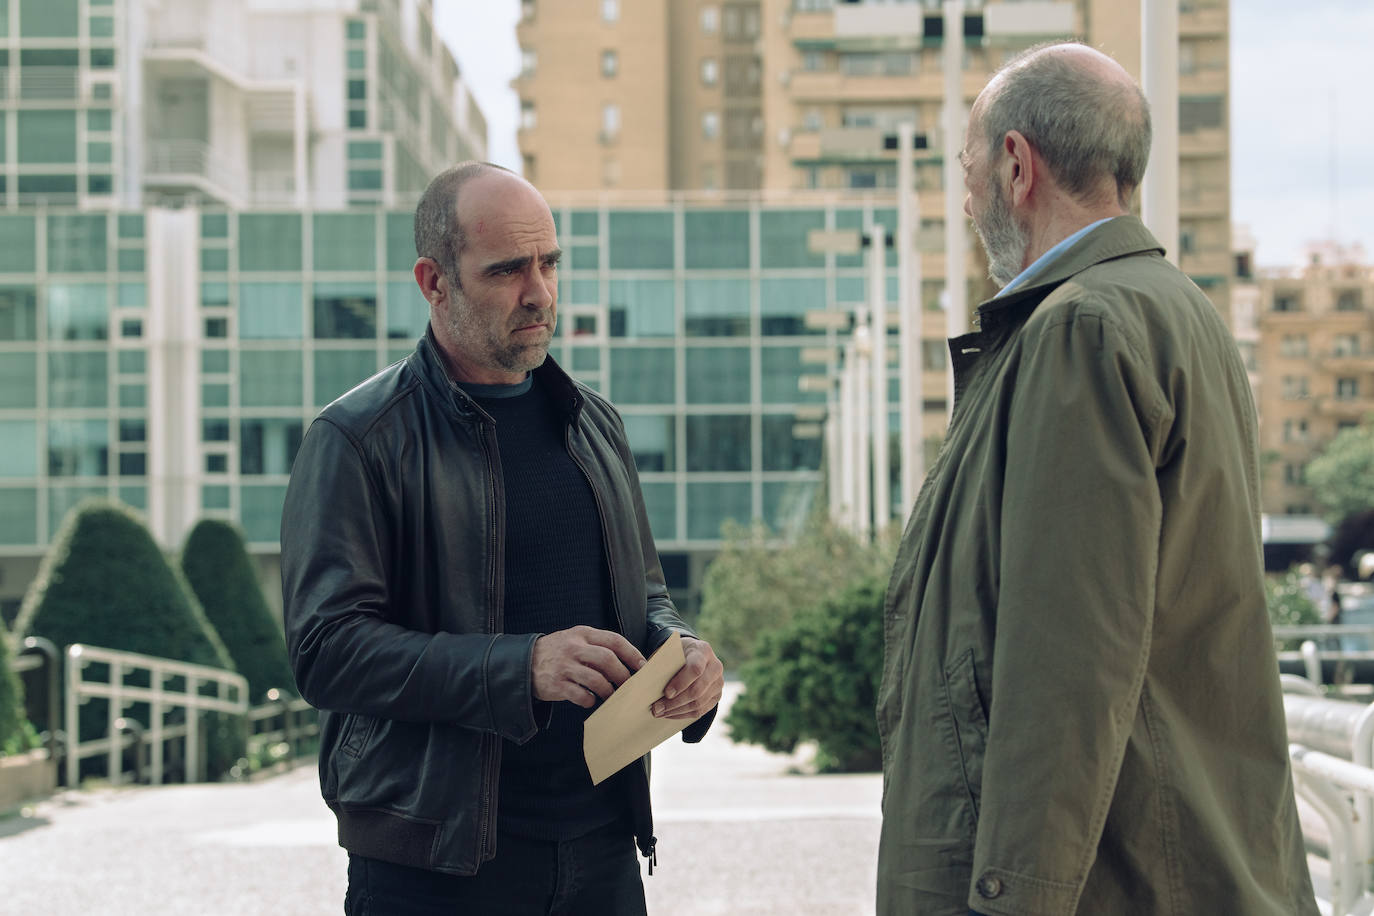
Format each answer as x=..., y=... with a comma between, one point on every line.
x=219, y=570
x=756, y=584
x=105, y=582
x=816, y=678
x=1342, y=477
x=1349, y=539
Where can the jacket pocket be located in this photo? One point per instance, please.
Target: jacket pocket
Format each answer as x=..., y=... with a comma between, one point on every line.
x=356, y=730
x=970, y=723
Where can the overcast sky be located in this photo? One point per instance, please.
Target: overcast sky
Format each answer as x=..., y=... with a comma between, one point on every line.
x=1302, y=112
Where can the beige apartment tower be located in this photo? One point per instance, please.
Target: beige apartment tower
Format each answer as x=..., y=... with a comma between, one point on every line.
x=784, y=95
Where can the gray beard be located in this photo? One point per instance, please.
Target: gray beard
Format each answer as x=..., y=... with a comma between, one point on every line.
x=1004, y=241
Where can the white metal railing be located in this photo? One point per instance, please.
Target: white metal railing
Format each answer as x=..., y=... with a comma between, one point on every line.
x=1332, y=754
x=281, y=720
x=193, y=689
x=167, y=158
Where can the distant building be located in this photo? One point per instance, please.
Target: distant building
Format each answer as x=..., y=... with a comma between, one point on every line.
x=195, y=247
x=783, y=95
x=1316, y=359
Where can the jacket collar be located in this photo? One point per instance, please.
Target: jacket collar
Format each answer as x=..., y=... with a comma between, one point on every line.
x=429, y=366
x=1123, y=236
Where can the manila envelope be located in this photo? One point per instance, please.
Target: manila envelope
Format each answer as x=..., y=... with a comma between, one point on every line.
x=623, y=729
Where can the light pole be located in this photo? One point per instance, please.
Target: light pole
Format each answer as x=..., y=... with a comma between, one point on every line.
x=1159, y=79
x=956, y=237
x=909, y=314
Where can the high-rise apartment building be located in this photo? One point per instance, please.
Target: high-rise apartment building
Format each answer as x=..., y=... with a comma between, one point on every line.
x=196, y=245
x=786, y=95
x=1317, y=360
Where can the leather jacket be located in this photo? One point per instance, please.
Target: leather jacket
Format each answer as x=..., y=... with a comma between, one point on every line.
x=392, y=539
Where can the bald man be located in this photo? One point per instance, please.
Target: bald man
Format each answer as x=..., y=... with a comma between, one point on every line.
x=468, y=570
x=1080, y=706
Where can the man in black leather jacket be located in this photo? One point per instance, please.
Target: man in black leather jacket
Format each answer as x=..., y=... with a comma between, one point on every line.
x=467, y=569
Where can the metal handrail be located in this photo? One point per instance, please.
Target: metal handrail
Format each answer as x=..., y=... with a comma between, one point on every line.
x=230, y=695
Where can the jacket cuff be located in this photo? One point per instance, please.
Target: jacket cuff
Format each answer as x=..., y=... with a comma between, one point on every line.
x=508, y=680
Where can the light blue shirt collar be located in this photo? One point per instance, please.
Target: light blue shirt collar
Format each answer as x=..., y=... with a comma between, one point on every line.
x=1049, y=256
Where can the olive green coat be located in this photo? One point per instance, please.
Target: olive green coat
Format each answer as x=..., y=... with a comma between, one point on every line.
x=1080, y=706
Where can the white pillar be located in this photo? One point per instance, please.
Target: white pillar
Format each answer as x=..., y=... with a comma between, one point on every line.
x=877, y=295
x=848, y=458
x=956, y=236
x=834, y=474
x=858, y=386
x=300, y=141
x=909, y=312
x=130, y=114
x=1159, y=79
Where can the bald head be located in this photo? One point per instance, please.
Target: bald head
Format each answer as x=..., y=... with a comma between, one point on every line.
x=438, y=230
x=1081, y=112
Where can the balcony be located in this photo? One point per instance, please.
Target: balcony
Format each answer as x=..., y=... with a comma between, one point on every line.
x=1202, y=202
x=46, y=84
x=1206, y=142
x=1345, y=408
x=1197, y=18
x=193, y=166
x=836, y=86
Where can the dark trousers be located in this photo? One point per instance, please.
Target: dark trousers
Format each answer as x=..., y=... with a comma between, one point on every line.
x=592, y=875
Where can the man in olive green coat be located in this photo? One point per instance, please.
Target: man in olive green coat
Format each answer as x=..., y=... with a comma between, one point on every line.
x=1080, y=706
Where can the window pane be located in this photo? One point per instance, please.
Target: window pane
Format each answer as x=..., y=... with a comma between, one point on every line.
x=717, y=307
x=780, y=367
x=18, y=448
x=400, y=241
x=270, y=378
x=345, y=241
x=78, y=311
x=270, y=311
x=641, y=241
x=407, y=312
x=642, y=308
x=261, y=512
x=268, y=446
x=214, y=497
x=652, y=441
x=78, y=379
x=270, y=241
x=717, y=375
x=76, y=243
x=345, y=310
x=18, y=243
x=642, y=375
x=19, y=380
x=78, y=448
x=788, y=504
x=48, y=18
x=717, y=239
x=782, y=451
x=214, y=361
x=585, y=222
x=710, y=505
x=336, y=371
x=18, y=515
x=214, y=225
x=133, y=430
x=132, y=362
x=47, y=136
x=718, y=443
x=61, y=501
x=784, y=302
x=660, y=503
x=782, y=238
x=18, y=313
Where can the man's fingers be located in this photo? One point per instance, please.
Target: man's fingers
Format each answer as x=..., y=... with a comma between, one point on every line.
x=623, y=649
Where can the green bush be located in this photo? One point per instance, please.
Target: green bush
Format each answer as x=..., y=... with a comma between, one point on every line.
x=756, y=584
x=14, y=736
x=105, y=582
x=1289, y=604
x=816, y=678
x=218, y=568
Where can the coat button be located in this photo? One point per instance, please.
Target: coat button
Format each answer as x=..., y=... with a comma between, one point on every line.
x=989, y=887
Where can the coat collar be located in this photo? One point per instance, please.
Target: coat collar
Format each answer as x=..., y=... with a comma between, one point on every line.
x=429, y=365
x=1123, y=236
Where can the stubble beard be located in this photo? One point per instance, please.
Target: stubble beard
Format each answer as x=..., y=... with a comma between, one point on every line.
x=499, y=350
x=1004, y=241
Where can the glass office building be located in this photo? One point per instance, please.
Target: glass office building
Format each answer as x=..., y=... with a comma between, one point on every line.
x=172, y=359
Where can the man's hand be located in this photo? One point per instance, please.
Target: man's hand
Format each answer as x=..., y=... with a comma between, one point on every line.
x=695, y=690
x=581, y=664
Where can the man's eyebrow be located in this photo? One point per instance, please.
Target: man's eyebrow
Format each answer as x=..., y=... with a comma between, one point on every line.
x=520, y=263
x=553, y=257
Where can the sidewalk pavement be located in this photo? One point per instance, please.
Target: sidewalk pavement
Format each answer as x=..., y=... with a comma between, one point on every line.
x=740, y=832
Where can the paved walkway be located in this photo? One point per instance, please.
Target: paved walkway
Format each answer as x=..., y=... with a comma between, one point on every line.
x=740, y=833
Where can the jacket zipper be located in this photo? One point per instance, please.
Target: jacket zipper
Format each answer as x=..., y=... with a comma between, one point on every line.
x=489, y=771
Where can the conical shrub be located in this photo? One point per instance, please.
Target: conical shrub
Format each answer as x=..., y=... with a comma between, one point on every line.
x=12, y=720
x=220, y=572
x=105, y=582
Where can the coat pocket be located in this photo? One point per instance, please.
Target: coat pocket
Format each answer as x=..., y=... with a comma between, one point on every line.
x=970, y=723
x=357, y=729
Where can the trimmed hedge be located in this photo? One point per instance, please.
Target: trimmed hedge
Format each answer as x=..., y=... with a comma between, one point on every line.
x=13, y=734
x=816, y=678
x=220, y=572
x=105, y=582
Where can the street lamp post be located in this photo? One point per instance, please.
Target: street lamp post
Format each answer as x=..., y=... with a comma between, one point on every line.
x=909, y=312
x=956, y=238
x=1159, y=78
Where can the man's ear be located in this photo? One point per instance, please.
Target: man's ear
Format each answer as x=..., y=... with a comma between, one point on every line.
x=1019, y=165
x=431, y=280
